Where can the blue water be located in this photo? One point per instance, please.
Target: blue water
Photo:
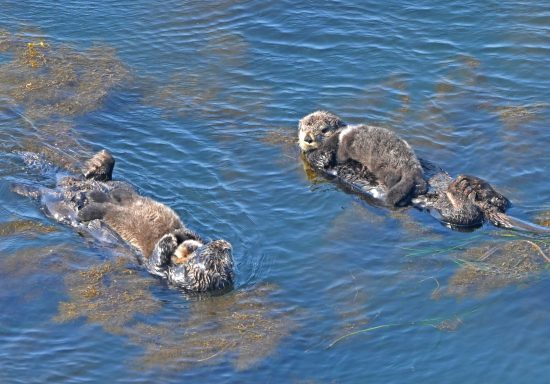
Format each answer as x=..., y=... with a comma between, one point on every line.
x=199, y=103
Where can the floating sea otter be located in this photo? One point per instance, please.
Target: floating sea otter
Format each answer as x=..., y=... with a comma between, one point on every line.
x=164, y=245
x=375, y=162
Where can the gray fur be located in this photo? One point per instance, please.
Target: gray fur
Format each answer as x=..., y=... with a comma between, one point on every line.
x=370, y=160
x=329, y=144
x=388, y=157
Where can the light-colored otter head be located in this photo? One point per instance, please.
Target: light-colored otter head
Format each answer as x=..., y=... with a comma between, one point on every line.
x=316, y=127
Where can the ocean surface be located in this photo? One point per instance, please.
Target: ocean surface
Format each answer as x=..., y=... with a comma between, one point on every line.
x=199, y=103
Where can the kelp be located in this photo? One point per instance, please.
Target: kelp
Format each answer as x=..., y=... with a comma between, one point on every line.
x=108, y=294
x=48, y=79
x=47, y=84
x=498, y=264
x=32, y=227
x=242, y=326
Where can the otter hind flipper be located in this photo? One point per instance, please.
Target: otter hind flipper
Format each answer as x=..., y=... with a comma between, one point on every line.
x=500, y=219
x=99, y=167
x=92, y=211
x=480, y=192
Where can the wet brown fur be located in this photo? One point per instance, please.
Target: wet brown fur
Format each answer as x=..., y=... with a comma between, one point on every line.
x=141, y=222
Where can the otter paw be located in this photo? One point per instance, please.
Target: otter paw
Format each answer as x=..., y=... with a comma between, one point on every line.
x=167, y=244
x=466, y=187
x=183, y=234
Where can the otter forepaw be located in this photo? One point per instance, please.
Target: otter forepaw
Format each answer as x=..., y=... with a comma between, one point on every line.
x=183, y=234
x=464, y=187
x=167, y=244
x=161, y=256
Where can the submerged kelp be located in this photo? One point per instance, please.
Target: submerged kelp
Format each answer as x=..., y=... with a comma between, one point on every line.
x=200, y=89
x=46, y=84
x=31, y=261
x=543, y=219
x=109, y=294
x=498, y=264
x=512, y=116
x=243, y=327
x=30, y=227
x=49, y=79
x=35, y=271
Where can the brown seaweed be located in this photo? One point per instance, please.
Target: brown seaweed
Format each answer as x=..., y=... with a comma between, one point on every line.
x=495, y=265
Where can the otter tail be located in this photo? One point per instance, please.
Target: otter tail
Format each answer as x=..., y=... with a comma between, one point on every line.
x=500, y=219
x=401, y=193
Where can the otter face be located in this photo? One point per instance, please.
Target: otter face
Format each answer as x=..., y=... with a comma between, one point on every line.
x=315, y=128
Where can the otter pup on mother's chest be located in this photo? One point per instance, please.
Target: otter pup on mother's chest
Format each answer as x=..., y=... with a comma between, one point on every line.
x=329, y=144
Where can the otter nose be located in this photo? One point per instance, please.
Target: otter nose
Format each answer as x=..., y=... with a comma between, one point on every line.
x=308, y=139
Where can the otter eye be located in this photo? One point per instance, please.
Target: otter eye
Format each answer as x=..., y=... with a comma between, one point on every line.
x=325, y=130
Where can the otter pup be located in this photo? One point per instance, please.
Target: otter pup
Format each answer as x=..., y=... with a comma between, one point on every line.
x=373, y=161
x=336, y=149
x=164, y=245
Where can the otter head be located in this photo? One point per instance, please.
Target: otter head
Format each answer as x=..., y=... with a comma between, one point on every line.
x=208, y=268
x=315, y=128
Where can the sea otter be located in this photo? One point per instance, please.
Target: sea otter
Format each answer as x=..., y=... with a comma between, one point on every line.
x=163, y=244
x=374, y=162
x=337, y=149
